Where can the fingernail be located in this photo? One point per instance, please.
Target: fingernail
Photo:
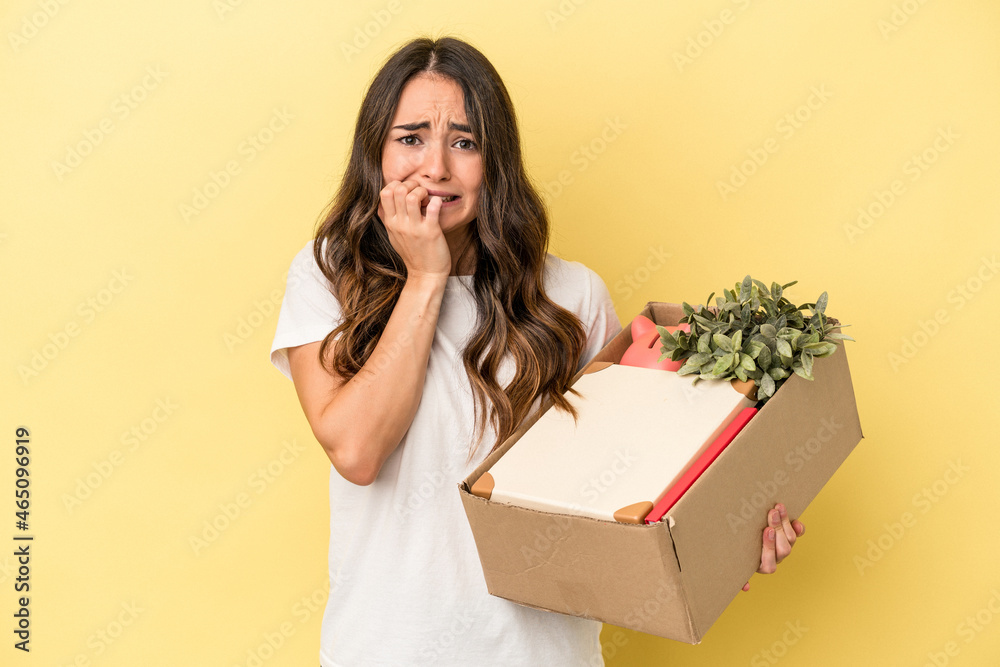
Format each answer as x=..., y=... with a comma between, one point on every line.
x=782, y=510
x=770, y=533
x=775, y=517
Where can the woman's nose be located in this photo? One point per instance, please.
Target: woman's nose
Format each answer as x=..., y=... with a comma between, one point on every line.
x=435, y=163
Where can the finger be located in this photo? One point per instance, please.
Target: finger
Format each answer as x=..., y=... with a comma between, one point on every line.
x=781, y=545
x=399, y=193
x=767, y=557
x=786, y=524
x=434, y=211
x=387, y=206
x=799, y=527
x=413, y=201
x=746, y=587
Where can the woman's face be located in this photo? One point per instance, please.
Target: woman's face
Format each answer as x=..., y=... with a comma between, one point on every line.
x=430, y=143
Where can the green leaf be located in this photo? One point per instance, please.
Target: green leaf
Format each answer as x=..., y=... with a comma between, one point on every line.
x=766, y=385
x=746, y=363
x=839, y=336
x=784, y=349
x=703, y=321
x=723, y=364
x=768, y=330
x=740, y=373
x=704, y=343
x=788, y=333
x=764, y=358
x=745, y=288
x=820, y=306
x=807, y=362
x=820, y=349
x=688, y=310
x=722, y=342
x=667, y=340
x=700, y=359
x=688, y=368
x=738, y=339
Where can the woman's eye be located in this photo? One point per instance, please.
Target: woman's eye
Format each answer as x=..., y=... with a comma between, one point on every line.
x=466, y=144
x=408, y=140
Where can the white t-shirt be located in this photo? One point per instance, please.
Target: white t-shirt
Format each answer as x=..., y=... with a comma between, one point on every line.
x=406, y=584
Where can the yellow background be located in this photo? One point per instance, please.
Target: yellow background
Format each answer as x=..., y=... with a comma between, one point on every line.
x=669, y=98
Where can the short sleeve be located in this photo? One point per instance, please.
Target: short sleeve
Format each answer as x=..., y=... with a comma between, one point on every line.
x=309, y=311
x=602, y=322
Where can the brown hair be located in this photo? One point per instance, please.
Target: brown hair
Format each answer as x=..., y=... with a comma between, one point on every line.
x=510, y=238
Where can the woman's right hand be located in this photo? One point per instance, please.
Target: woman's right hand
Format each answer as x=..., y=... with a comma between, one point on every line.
x=416, y=236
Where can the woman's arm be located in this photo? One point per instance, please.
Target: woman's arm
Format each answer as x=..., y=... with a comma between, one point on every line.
x=360, y=422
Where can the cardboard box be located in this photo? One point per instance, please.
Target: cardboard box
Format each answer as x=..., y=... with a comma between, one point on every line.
x=674, y=578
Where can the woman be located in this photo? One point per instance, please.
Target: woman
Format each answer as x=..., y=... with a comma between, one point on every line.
x=425, y=320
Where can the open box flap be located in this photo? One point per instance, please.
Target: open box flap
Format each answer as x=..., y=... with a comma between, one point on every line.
x=786, y=454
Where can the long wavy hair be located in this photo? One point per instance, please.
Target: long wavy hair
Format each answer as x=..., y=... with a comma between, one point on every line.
x=509, y=238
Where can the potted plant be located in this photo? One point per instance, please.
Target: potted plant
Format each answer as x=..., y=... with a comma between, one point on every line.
x=753, y=333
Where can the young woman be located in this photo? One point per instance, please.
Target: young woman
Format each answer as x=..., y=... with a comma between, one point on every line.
x=420, y=327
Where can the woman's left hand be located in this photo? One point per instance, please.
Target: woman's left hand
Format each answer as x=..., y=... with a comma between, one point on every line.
x=779, y=537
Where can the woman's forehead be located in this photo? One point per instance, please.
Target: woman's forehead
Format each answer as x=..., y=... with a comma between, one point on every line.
x=430, y=97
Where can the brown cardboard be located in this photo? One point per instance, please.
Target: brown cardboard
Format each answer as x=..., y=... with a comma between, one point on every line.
x=674, y=578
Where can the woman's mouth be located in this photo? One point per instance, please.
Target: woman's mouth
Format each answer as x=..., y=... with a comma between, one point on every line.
x=445, y=201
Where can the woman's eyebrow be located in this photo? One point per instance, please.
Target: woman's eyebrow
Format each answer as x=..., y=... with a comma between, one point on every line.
x=410, y=127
